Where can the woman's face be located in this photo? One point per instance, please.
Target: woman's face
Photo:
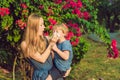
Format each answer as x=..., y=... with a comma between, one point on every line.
x=41, y=27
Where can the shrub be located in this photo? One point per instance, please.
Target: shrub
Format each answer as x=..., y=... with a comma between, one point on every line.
x=79, y=15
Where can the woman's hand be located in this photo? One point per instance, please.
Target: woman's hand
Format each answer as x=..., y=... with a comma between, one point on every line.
x=51, y=44
x=54, y=47
x=54, y=37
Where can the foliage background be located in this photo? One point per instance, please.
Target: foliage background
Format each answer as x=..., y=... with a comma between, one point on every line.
x=81, y=17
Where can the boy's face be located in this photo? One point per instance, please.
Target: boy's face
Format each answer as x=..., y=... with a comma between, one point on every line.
x=60, y=32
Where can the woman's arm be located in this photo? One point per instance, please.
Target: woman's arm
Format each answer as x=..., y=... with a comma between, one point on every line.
x=37, y=56
x=42, y=57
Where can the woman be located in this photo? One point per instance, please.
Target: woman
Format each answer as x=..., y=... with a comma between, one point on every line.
x=36, y=48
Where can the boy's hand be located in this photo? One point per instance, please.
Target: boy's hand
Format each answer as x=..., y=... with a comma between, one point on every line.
x=54, y=47
x=67, y=72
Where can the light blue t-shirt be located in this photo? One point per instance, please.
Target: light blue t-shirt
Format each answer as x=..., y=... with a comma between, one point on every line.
x=60, y=63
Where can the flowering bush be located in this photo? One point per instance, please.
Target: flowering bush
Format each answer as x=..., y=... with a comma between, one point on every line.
x=112, y=50
x=79, y=15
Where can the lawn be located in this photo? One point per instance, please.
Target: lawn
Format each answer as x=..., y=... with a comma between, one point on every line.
x=94, y=66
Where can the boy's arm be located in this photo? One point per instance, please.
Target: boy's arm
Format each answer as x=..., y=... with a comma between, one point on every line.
x=63, y=54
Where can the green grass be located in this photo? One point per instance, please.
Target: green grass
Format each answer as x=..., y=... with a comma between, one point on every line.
x=94, y=66
x=4, y=76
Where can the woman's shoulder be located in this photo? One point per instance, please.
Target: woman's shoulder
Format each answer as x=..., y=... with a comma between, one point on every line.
x=23, y=44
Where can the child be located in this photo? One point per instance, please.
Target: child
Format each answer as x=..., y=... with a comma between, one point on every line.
x=63, y=53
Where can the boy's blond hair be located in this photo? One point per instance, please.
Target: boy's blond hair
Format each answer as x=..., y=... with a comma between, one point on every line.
x=62, y=27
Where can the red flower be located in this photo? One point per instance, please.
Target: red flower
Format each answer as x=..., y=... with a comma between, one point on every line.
x=21, y=24
x=109, y=54
x=4, y=11
x=78, y=34
x=50, y=12
x=58, y=1
x=50, y=27
x=66, y=6
x=23, y=5
x=73, y=4
x=77, y=40
x=114, y=43
x=75, y=43
x=113, y=51
x=52, y=21
x=69, y=35
x=86, y=15
x=79, y=4
x=46, y=33
x=41, y=7
x=75, y=25
x=77, y=12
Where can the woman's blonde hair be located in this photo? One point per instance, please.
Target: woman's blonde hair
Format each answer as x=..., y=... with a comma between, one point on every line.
x=34, y=41
x=62, y=27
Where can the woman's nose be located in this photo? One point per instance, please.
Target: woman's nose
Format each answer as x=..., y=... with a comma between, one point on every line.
x=43, y=26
